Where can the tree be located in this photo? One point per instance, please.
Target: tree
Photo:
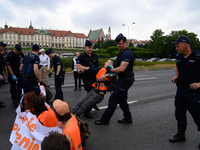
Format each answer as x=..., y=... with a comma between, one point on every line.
x=130, y=44
x=156, y=34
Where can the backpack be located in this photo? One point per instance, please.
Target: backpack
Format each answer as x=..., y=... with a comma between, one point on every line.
x=111, y=84
x=84, y=131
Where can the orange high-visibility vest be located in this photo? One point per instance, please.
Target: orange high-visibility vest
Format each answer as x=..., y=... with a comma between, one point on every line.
x=72, y=129
x=100, y=86
x=48, y=118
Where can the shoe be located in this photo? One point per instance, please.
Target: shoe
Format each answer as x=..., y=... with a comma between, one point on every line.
x=124, y=121
x=2, y=105
x=88, y=115
x=177, y=138
x=15, y=103
x=75, y=89
x=96, y=108
x=99, y=122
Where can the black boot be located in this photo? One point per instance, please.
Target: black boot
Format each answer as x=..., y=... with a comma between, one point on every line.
x=179, y=137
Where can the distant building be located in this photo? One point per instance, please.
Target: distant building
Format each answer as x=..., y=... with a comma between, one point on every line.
x=43, y=37
x=98, y=34
x=136, y=42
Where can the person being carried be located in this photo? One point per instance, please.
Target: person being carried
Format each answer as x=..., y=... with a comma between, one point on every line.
x=96, y=95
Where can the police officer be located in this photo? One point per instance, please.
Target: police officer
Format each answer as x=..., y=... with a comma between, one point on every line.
x=59, y=73
x=86, y=64
x=2, y=64
x=13, y=64
x=31, y=75
x=124, y=68
x=188, y=86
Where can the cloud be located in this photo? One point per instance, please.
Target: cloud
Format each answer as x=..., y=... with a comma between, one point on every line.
x=81, y=16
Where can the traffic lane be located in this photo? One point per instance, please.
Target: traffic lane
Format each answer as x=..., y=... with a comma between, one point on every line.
x=153, y=124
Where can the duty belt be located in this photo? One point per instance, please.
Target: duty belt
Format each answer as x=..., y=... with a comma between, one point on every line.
x=187, y=87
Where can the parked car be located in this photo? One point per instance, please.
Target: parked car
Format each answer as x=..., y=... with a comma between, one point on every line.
x=173, y=60
x=153, y=59
x=164, y=59
x=113, y=57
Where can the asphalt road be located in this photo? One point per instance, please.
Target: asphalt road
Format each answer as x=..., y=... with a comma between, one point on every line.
x=151, y=100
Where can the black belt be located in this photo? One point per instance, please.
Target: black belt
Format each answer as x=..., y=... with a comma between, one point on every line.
x=187, y=87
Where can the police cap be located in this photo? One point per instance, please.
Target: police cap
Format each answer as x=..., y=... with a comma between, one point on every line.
x=18, y=47
x=35, y=47
x=182, y=39
x=119, y=38
x=3, y=44
x=49, y=51
x=88, y=43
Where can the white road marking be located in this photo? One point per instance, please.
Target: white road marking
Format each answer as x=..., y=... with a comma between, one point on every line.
x=139, y=79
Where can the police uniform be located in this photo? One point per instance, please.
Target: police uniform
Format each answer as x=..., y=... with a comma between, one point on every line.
x=14, y=61
x=29, y=79
x=2, y=64
x=59, y=79
x=185, y=99
x=85, y=60
x=119, y=95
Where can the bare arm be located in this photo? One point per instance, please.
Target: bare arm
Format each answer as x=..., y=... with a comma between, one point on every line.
x=81, y=67
x=36, y=71
x=10, y=70
x=174, y=79
x=58, y=70
x=121, y=68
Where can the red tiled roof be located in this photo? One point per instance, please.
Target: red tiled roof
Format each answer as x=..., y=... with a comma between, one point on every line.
x=29, y=31
x=80, y=35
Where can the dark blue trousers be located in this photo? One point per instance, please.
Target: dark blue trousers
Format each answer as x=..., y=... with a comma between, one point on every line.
x=119, y=96
x=30, y=87
x=15, y=88
x=187, y=100
x=58, y=86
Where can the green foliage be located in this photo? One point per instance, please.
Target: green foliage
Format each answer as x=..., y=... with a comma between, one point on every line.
x=130, y=44
x=112, y=50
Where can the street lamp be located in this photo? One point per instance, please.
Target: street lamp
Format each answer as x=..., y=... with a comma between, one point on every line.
x=128, y=27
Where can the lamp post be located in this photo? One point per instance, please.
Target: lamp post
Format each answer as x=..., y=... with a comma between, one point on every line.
x=128, y=27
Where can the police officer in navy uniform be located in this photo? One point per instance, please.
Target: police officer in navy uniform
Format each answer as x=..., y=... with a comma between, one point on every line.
x=188, y=86
x=123, y=66
x=59, y=73
x=13, y=65
x=86, y=64
x=2, y=64
x=31, y=74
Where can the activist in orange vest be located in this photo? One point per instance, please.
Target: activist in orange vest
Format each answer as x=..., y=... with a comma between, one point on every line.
x=44, y=113
x=96, y=95
x=69, y=124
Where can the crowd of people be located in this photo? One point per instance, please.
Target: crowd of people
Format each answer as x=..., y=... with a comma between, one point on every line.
x=26, y=71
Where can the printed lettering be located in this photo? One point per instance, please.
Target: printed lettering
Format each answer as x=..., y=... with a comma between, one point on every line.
x=26, y=141
x=32, y=127
x=15, y=126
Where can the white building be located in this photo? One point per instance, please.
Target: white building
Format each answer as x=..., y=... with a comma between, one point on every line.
x=43, y=37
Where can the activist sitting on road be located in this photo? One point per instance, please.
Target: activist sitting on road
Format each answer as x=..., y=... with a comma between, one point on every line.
x=44, y=113
x=55, y=141
x=28, y=102
x=96, y=95
x=69, y=124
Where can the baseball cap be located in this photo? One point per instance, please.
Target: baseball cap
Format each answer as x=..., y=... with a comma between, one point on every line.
x=61, y=107
x=182, y=39
x=41, y=50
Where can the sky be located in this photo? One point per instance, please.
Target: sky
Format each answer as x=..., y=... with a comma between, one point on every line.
x=79, y=16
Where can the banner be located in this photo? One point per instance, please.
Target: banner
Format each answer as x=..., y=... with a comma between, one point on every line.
x=28, y=133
